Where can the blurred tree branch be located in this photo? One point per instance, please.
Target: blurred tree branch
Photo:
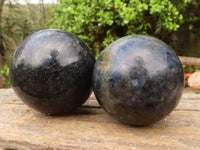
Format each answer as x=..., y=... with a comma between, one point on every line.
x=1, y=8
x=2, y=50
x=189, y=60
x=43, y=13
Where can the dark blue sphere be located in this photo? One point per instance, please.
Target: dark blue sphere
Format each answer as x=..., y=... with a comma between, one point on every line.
x=138, y=80
x=51, y=71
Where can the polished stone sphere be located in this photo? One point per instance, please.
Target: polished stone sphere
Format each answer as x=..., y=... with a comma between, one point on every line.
x=138, y=80
x=51, y=71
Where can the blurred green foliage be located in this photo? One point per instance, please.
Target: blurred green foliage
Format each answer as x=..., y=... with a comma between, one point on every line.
x=5, y=76
x=190, y=68
x=99, y=23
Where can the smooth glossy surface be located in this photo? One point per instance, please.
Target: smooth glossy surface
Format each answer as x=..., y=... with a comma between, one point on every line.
x=51, y=71
x=138, y=80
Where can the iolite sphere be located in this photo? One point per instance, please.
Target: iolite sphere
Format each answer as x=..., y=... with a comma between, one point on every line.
x=51, y=71
x=138, y=80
